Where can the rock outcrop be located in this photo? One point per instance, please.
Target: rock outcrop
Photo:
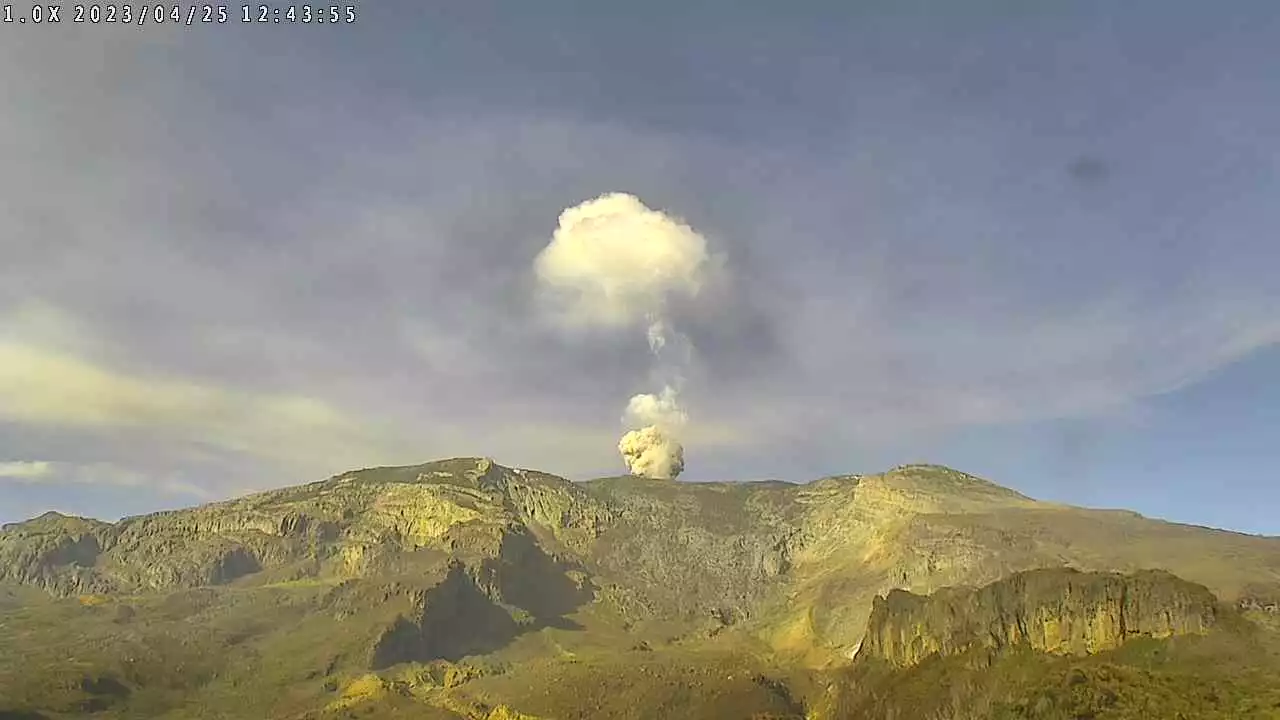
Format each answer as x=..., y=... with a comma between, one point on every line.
x=442, y=590
x=355, y=523
x=800, y=563
x=1058, y=610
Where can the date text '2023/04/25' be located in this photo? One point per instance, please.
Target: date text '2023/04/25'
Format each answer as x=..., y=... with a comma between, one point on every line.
x=175, y=14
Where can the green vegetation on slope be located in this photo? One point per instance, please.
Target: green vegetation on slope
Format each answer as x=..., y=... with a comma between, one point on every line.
x=463, y=589
x=1230, y=675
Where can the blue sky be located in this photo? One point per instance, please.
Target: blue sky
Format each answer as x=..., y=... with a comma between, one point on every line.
x=1037, y=242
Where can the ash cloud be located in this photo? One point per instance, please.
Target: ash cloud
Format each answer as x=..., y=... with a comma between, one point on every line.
x=614, y=263
x=662, y=409
x=649, y=452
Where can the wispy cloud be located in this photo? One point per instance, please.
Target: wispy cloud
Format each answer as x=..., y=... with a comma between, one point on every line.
x=25, y=470
x=46, y=472
x=44, y=388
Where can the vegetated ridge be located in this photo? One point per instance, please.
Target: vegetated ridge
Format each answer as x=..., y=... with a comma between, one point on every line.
x=462, y=588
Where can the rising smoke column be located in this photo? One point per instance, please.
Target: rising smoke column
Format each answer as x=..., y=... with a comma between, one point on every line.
x=649, y=452
x=653, y=450
x=615, y=263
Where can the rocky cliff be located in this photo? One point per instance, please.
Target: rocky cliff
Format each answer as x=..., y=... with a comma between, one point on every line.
x=346, y=526
x=454, y=586
x=1059, y=611
x=798, y=564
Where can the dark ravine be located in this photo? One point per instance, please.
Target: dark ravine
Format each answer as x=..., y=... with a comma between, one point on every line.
x=461, y=587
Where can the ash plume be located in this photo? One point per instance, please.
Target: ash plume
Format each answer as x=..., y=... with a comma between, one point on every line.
x=649, y=452
x=662, y=410
x=615, y=263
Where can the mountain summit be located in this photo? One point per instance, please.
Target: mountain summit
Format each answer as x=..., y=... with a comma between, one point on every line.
x=468, y=589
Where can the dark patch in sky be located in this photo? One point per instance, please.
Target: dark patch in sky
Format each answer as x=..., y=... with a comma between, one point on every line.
x=1089, y=170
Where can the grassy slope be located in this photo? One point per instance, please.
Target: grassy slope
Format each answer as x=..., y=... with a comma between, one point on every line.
x=202, y=653
x=242, y=651
x=277, y=652
x=270, y=652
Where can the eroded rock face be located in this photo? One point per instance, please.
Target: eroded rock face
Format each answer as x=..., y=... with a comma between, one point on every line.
x=799, y=563
x=1054, y=610
x=452, y=619
x=54, y=552
x=352, y=525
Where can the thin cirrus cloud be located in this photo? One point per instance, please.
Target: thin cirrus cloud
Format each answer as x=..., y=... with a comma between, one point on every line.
x=46, y=472
x=41, y=388
x=26, y=470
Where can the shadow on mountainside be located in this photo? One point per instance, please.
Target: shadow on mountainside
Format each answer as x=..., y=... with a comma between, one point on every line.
x=481, y=611
x=525, y=576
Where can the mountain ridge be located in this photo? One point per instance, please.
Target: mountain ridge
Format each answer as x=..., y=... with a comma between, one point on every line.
x=464, y=568
x=55, y=514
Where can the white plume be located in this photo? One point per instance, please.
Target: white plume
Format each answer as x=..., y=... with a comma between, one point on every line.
x=615, y=263
x=648, y=452
x=662, y=410
x=612, y=262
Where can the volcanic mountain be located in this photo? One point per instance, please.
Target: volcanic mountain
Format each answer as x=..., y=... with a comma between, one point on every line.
x=465, y=589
